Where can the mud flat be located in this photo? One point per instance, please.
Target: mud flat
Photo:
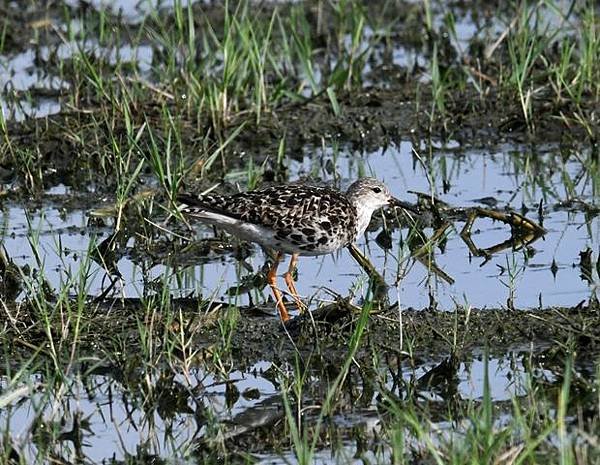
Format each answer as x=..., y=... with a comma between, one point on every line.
x=130, y=337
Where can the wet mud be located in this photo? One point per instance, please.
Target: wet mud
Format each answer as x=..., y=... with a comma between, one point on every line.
x=119, y=306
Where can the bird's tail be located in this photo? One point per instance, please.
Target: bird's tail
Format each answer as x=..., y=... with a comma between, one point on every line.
x=202, y=206
x=187, y=202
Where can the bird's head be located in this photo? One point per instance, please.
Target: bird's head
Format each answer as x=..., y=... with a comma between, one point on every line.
x=369, y=194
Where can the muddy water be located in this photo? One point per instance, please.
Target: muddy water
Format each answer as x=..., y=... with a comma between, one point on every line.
x=112, y=423
x=118, y=423
x=546, y=273
x=110, y=410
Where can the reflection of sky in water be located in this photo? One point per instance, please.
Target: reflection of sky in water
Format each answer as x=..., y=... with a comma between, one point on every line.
x=21, y=73
x=132, y=11
x=116, y=432
x=24, y=109
x=118, y=423
x=471, y=176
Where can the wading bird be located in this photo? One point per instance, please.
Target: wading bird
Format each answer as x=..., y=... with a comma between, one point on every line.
x=292, y=219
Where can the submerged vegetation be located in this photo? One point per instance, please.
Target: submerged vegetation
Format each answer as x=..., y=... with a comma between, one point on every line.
x=124, y=340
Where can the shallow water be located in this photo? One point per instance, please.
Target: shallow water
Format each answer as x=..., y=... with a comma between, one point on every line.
x=118, y=424
x=34, y=87
x=113, y=420
x=103, y=414
x=547, y=275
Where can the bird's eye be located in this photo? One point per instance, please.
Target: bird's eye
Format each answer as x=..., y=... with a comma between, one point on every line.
x=377, y=190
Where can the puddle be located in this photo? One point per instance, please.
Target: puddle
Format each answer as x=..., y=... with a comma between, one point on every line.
x=132, y=11
x=546, y=274
x=31, y=82
x=32, y=72
x=104, y=417
x=114, y=422
x=154, y=406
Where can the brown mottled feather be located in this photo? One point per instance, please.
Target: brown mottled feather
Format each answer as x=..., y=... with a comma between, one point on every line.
x=294, y=211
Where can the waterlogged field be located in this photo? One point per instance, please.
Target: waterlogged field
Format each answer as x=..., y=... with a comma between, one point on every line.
x=130, y=336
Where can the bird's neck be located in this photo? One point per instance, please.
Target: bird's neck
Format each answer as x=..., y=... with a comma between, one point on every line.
x=363, y=215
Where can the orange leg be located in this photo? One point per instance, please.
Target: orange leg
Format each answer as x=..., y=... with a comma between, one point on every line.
x=289, y=280
x=272, y=281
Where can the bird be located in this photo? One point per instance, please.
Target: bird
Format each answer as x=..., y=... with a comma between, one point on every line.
x=295, y=219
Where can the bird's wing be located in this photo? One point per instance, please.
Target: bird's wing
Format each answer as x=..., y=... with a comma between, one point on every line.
x=301, y=213
x=271, y=206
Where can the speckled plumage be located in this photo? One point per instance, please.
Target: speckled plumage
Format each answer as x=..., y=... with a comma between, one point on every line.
x=293, y=218
x=306, y=219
